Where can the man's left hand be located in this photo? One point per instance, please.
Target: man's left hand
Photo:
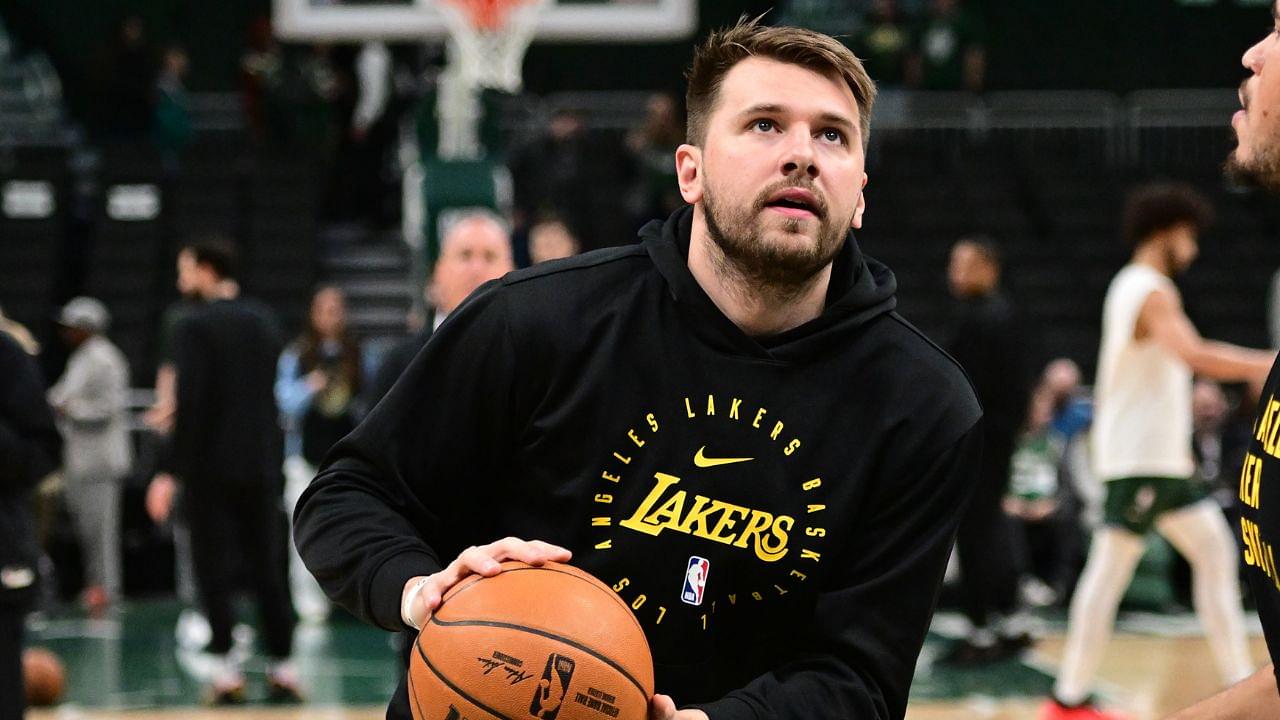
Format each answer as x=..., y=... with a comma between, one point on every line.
x=662, y=707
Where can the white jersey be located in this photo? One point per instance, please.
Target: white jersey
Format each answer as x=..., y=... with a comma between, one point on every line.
x=1142, y=423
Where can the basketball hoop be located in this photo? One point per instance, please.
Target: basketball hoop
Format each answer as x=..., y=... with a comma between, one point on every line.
x=487, y=43
x=485, y=14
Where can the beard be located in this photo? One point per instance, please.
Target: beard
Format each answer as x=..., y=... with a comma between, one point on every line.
x=766, y=266
x=1263, y=171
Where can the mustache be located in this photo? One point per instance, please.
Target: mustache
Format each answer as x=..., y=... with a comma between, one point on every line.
x=762, y=200
x=1244, y=94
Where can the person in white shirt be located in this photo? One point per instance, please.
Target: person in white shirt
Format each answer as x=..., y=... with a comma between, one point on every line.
x=1141, y=438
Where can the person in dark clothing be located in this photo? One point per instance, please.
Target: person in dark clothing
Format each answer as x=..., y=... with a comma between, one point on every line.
x=884, y=41
x=580, y=177
x=986, y=340
x=474, y=250
x=227, y=451
x=735, y=390
x=1257, y=130
x=950, y=52
x=128, y=88
x=30, y=448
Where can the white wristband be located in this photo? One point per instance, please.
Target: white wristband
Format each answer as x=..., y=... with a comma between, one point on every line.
x=407, y=603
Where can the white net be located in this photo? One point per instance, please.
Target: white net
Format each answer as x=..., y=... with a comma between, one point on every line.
x=487, y=43
x=488, y=39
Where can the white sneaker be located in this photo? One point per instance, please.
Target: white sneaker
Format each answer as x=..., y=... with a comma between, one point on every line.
x=192, y=631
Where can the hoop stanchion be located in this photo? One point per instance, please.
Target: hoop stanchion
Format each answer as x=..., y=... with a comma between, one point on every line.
x=487, y=43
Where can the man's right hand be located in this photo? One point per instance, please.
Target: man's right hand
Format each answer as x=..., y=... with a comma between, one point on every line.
x=422, y=594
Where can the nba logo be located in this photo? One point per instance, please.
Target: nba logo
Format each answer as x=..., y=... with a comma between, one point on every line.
x=550, y=693
x=695, y=580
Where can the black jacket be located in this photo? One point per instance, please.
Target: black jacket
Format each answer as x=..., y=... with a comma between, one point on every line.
x=990, y=342
x=30, y=448
x=1258, y=503
x=605, y=404
x=394, y=363
x=227, y=428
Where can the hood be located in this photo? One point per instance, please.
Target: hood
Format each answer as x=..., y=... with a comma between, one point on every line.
x=861, y=290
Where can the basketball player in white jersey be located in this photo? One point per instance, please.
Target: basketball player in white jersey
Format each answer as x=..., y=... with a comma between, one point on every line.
x=1142, y=449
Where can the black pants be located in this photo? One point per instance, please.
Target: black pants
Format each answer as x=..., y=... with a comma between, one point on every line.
x=230, y=522
x=1055, y=549
x=988, y=548
x=13, y=696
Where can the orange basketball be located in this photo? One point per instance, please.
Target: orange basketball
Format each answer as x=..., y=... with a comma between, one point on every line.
x=548, y=643
x=43, y=676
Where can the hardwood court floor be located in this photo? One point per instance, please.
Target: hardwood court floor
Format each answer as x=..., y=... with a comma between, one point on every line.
x=130, y=668
x=1144, y=676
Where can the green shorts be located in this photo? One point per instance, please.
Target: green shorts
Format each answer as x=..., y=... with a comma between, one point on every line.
x=1134, y=503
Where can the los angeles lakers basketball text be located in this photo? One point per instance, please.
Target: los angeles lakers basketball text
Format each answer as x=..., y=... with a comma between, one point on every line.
x=668, y=505
x=1258, y=552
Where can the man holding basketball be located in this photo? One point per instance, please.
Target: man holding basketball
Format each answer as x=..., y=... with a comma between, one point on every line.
x=1257, y=159
x=735, y=392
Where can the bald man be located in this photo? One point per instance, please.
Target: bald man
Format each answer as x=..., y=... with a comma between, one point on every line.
x=474, y=250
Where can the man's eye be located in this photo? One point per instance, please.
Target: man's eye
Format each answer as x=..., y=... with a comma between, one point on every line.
x=831, y=135
x=764, y=125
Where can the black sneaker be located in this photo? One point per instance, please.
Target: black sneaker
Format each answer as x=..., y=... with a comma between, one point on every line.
x=1014, y=645
x=965, y=653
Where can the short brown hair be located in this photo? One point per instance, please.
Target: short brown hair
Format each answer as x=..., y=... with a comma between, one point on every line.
x=1160, y=206
x=724, y=48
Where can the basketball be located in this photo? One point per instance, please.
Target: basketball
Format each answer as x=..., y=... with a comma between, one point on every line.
x=549, y=642
x=43, y=676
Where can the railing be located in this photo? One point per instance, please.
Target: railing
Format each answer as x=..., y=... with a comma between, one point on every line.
x=1143, y=127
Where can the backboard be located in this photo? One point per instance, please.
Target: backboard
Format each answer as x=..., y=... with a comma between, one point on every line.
x=561, y=20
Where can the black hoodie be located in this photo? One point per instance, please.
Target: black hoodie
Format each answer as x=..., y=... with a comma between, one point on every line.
x=605, y=404
x=30, y=448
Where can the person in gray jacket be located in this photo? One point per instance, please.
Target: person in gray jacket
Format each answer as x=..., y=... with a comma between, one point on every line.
x=90, y=401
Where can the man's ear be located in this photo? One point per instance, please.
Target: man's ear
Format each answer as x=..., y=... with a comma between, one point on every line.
x=862, y=204
x=689, y=172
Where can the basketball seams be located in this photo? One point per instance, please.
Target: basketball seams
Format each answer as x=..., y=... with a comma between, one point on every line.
x=590, y=581
x=595, y=583
x=461, y=693
x=598, y=585
x=543, y=633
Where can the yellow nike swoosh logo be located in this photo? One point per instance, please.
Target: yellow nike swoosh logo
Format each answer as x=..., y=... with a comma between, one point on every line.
x=703, y=461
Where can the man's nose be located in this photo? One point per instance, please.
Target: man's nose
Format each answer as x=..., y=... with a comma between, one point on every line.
x=799, y=154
